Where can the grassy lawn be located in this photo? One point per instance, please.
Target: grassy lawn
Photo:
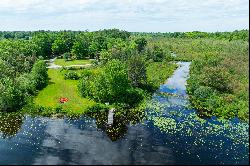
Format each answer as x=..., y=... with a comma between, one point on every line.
x=58, y=87
x=62, y=62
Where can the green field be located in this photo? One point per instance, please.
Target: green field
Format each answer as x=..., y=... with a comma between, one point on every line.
x=62, y=62
x=58, y=87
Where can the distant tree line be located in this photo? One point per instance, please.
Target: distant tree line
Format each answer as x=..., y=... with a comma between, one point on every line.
x=235, y=35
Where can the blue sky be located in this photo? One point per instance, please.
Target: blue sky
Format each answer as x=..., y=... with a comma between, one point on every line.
x=130, y=15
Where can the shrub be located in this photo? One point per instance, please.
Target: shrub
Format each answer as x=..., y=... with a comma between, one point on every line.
x=133, y=96
x=39, y=74
x=158, y=53
x=111, y=85
x=84, y=87
x=86, y=73
x=94, y=62
x=217, y=78
x=203, y=92
x=141, y=43
x=168, y=57
x=137, y=71
x=12, y=96
x=67, y=56
x=71, y=75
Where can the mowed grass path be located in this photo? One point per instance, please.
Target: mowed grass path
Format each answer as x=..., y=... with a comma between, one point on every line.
x=58, y=87
x=62, y=62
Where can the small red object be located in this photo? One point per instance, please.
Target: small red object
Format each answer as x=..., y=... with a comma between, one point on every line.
x=64, y=100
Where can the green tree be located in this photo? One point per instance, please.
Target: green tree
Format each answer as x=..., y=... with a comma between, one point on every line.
x=137, y=70
x=110, y=85
x=81, y=46
x=44, y=42
x=39, y=74
x=63, y=43
x=141, y=44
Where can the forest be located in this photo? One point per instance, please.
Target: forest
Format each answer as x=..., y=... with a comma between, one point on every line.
x=121, y=69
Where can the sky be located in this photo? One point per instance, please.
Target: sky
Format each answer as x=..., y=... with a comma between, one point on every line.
x=129, y=15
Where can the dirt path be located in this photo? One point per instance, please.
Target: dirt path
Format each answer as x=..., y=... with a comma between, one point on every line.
x=52, y=65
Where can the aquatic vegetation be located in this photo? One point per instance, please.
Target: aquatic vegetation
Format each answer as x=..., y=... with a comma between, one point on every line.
x=10, y=124
x=165, y=124
x=189, y=124
x=182, y=123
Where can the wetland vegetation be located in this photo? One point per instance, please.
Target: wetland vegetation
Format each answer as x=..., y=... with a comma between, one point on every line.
x=191, y=86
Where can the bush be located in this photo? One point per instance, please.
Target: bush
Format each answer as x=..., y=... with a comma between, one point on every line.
x=168, y=57
x=67, y=56
x=137, y=71
x=133, y=96
x=111, y=85
x=141, y=43
x=94, y=62
x=84, y=87
x=217, y=78
x=13, y=94
x=86, y=74
x=39, y=75
x=203, y=93
x=71, y=75
x=156, y=53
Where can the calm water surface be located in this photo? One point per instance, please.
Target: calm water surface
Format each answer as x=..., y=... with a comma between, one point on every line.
x=183, y=139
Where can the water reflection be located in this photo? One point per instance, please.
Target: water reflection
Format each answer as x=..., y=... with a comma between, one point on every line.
x=119, y=127
x=63, y=141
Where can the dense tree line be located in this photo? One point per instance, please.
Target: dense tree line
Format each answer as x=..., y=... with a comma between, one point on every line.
x=15, y=35
x=21, y=73
x=235, y=35
x=76, y=44
x=83, y=44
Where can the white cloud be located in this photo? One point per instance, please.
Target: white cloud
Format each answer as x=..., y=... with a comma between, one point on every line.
x=97, y=14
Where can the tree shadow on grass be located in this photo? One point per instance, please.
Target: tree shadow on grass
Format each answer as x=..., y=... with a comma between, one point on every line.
x=49, y=82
